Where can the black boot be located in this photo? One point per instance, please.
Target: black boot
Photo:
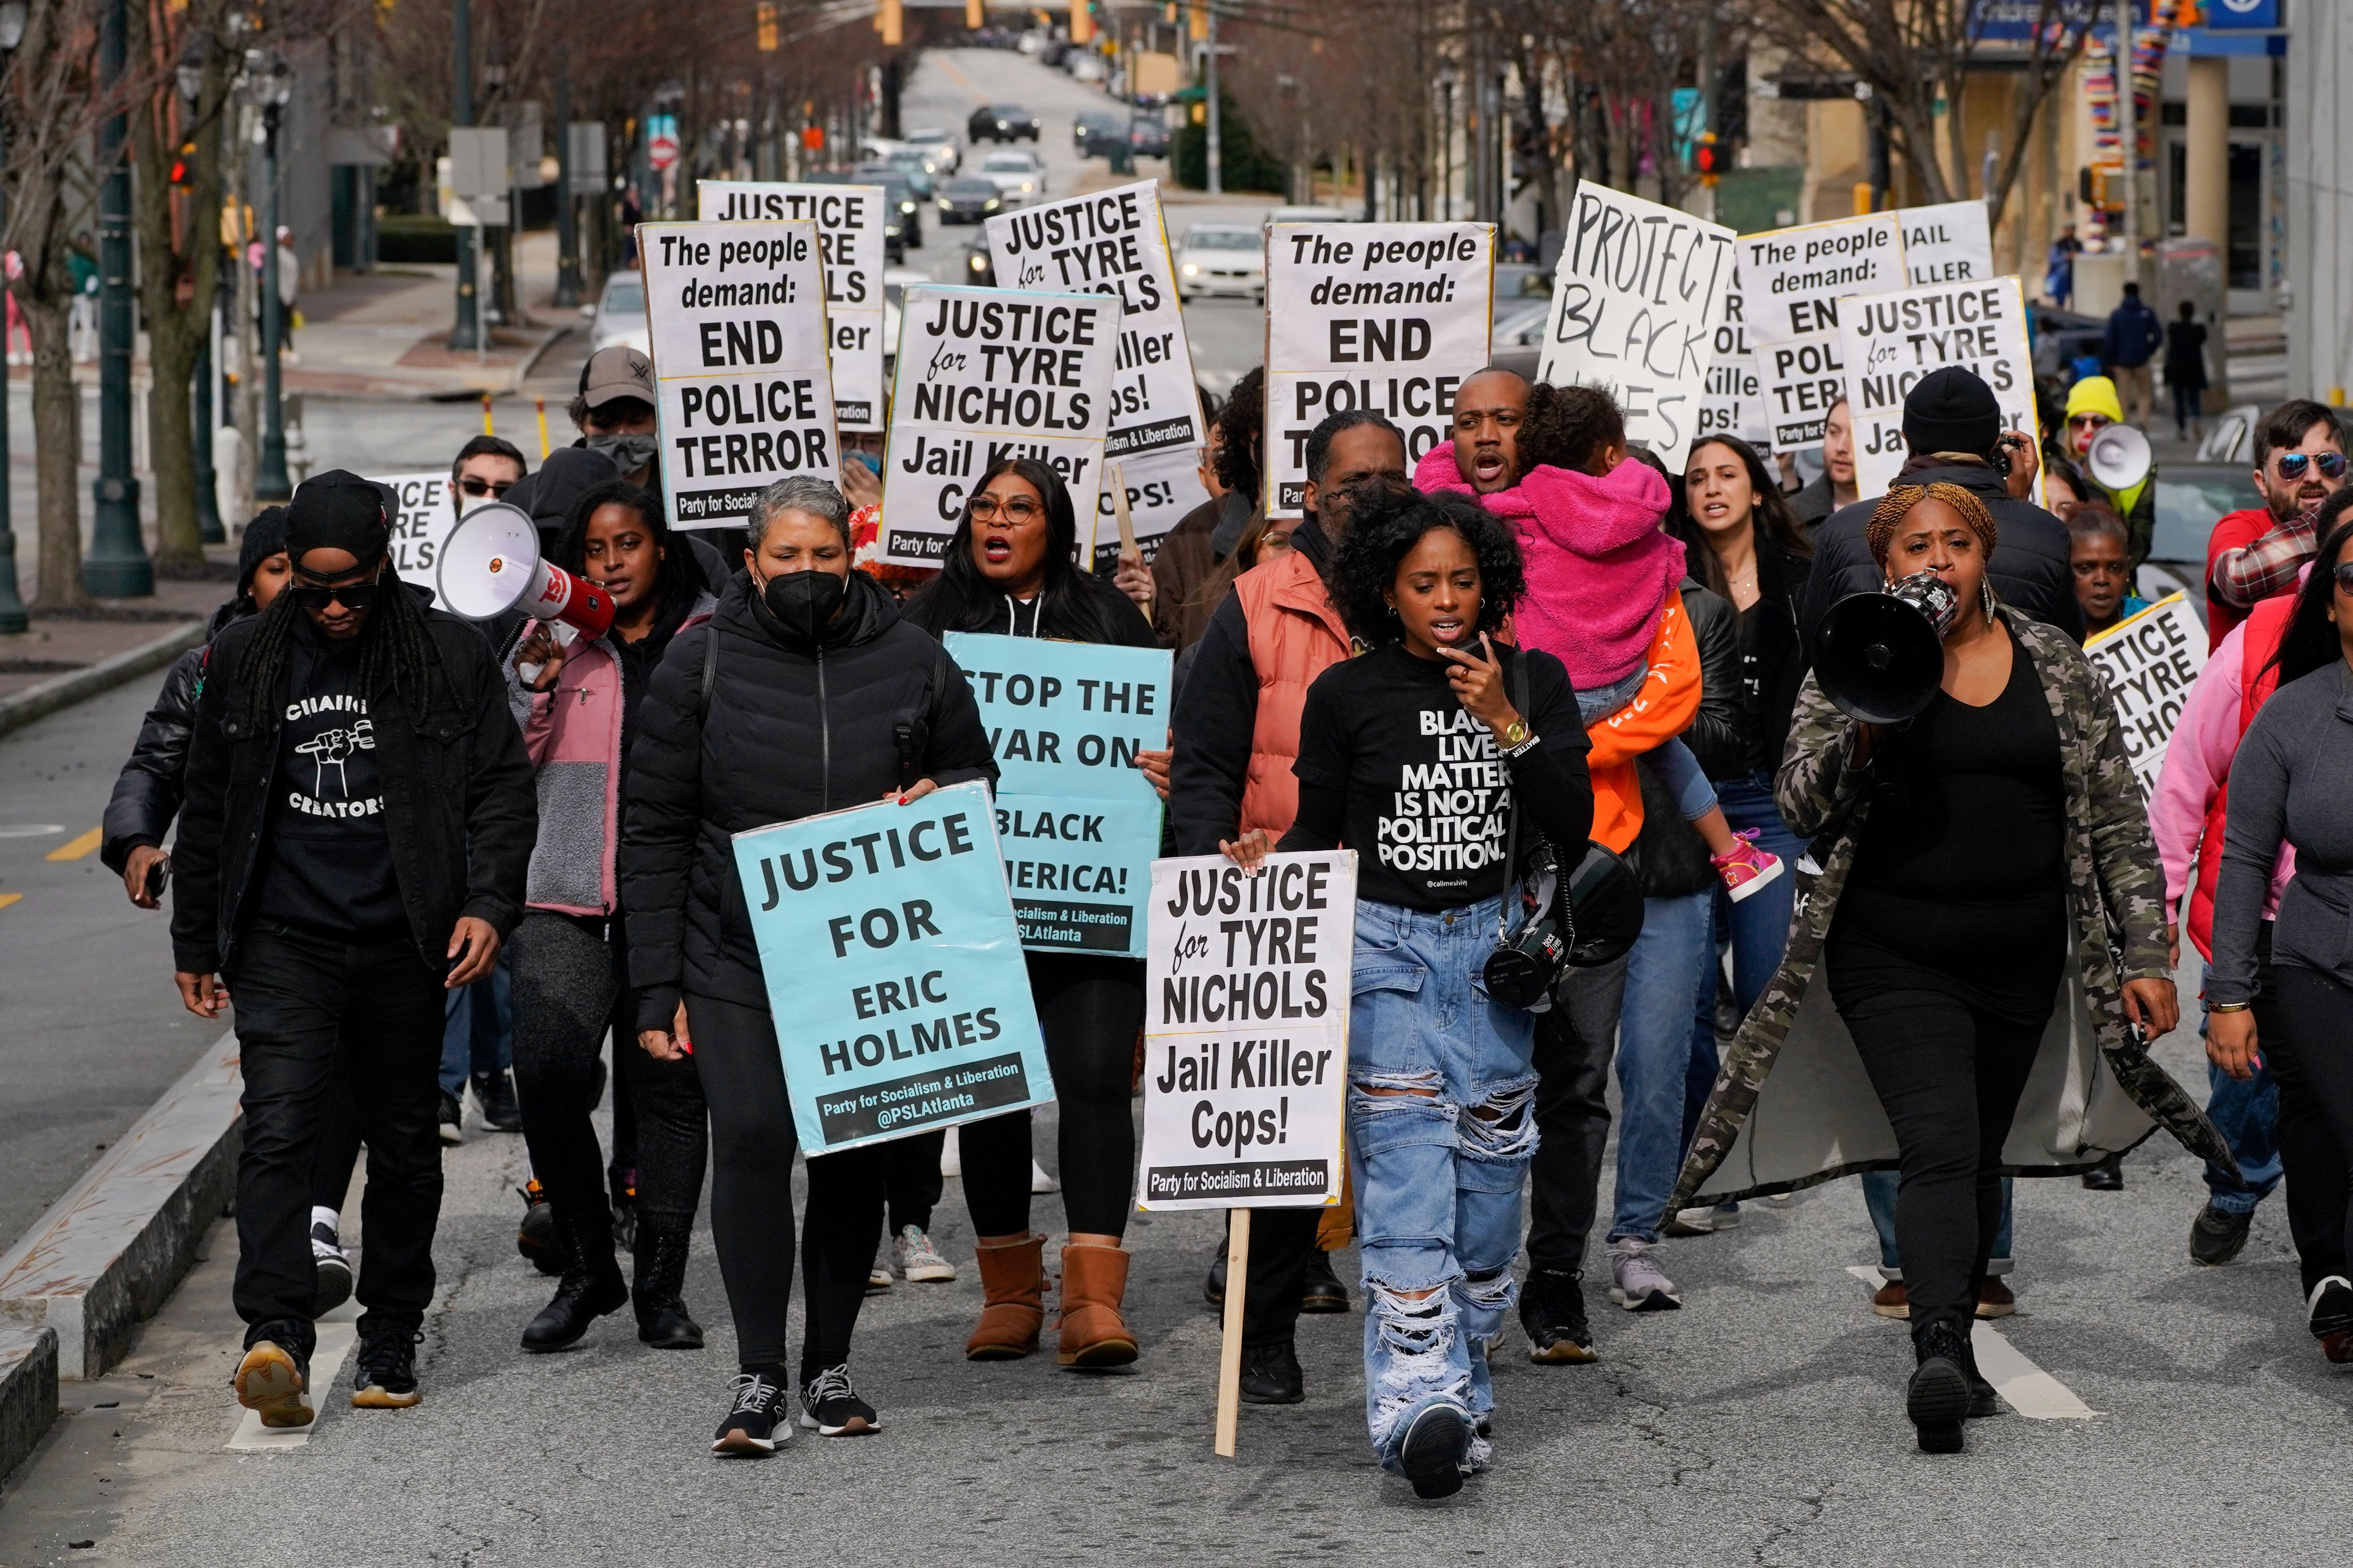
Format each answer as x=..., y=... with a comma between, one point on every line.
x=1939, y=1396
x=1272, y=1375
x=663, y=1320
x=592, y=1285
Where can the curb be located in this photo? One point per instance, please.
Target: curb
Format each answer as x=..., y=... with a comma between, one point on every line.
x=20, y=708
x=29, y=1391
x=108, y=1252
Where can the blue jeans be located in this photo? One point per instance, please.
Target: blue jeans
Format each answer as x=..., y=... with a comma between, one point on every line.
x=1441, y=1125
x=1757, y=929
x=1668, y=980
x=1879, y=1198
x=2247, y=1116
x=1672, y=760
x=478, y=1027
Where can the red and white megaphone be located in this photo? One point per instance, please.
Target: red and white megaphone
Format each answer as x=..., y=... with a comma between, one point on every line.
x=490, y=564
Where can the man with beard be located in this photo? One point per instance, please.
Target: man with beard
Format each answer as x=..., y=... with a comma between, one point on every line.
x=2256, y=554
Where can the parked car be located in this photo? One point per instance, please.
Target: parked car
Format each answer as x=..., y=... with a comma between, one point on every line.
x=2191, y=497
x=979, y=266
x=1055, y=52
x=1017, y=176
x=1517, y=341
x=1030, y=42
x=937, y=145
x=1221, y=259
x=995, y=37
x=1093, y=132
x=618, y=316
x=1085, y=66
x=968, y=198
x=1001, y=122
x=2230, y=436
x=1147, y=137
x=900, y=229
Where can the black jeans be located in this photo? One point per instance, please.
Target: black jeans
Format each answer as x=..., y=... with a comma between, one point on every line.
x=1089, y=1008
x=339, y=1145
x=1281, y=1241
x=752, y=1197
x=1574, y=1041
x=307, y=1008
x=2311, y=1056
x=569, y=986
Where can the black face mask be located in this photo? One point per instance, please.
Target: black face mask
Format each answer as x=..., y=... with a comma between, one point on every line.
x=804, y=602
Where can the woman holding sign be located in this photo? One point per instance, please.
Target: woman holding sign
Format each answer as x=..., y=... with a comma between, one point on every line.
x=1011, y=569
x=804, y=693
x=1418, y=755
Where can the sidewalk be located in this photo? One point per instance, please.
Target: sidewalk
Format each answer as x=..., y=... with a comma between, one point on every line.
x=386, y=333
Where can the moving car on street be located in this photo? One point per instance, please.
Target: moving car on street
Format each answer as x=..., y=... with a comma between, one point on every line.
x=1221, y=259
x=968, y=198
x=937, y=145
x=1147, y=136
x=1001, y=122
x=1017, y=176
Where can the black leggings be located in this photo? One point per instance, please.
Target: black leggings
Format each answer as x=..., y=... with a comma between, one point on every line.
x=2311, y=1058
x=915, y=1183
x=1090, y=1008
x=1948, y=1075
x=752, y=1197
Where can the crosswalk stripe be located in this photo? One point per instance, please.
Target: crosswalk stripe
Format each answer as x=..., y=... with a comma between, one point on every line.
x=337, y=1330
x=2023, y=1386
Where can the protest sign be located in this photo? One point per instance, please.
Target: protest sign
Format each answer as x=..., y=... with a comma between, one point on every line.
x=1951, y=243
x=1079, y=820
x=736, y=315
x=1162, y=486
x=849, y=221
x=1733, y=402
x=893, y=970
x=1890, y=340
x=1116, y=242
x=1636, y=300
x=422, y=518
x=2150, y=659
x=985, y=373
x=1246, y=1031
x=1387, y=316
x=1791, y=282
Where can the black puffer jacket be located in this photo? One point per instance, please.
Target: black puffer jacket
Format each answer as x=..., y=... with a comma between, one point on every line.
x=147, y=792
x=793, y=729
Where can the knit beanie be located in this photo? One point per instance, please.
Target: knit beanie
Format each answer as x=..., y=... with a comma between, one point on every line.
x=1951, y=410
x=264, y=537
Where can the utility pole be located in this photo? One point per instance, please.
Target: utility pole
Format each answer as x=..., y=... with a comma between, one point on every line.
x=1216, y=172
x=117, y=566
x=270, y=481
x=1707, y=87
x=567, y=224
x=466, y=336
x=2127, y=138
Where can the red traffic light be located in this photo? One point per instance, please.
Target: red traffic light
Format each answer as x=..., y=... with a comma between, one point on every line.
x=1706, y=157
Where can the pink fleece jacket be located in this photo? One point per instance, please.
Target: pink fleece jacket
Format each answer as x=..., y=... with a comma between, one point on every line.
x=1599, y=569
x=2197, y=765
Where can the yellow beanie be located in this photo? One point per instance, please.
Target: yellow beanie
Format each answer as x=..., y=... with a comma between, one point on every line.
x=2095, y=395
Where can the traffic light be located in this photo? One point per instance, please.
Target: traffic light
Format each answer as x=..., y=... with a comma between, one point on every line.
x=1197, y=23
x=764, y=26
x=976, y=15
x=183, y=165
x=1706, y=158
x=892, y=24
x=1083, y=22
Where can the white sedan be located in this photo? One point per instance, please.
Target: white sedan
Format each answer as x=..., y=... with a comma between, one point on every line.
x=1017, y=176
x=1221, y=259
x=938, y=146
x=618, y=316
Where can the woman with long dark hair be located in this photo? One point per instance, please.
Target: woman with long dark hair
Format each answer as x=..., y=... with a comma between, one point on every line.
x=1011, y=569
x=2291, y=782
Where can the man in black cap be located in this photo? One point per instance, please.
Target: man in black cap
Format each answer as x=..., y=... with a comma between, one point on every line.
x=359, y=815
x=1952, y=426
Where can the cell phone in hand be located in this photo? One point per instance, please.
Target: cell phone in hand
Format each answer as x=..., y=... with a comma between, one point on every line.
x=159, y=877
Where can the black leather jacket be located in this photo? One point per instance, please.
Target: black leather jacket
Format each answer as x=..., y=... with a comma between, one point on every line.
x=1669, y=856
x=147, y=791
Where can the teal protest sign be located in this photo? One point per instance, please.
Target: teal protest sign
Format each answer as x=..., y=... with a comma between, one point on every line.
x=894, y=971
x=1079, y=820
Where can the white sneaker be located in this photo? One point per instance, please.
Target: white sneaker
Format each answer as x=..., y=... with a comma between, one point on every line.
x=1639, y=1284
x=1039, y=1182
x=878, y=1279
x=919, y=1262
x=1691, y=1222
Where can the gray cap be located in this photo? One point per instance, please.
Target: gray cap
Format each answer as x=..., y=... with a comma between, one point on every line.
x=614, y=372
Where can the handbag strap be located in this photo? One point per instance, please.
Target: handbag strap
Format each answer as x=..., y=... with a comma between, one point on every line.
x=1517, y=683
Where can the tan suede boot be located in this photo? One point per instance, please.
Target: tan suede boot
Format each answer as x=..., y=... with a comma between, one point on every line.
x=1013, y=1299
x=1092, y=1332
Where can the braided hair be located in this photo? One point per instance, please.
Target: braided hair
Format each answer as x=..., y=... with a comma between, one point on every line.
x=396, y=651
x=1880, y=532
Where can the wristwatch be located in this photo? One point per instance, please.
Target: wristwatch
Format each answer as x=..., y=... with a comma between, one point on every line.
x=1515, y=733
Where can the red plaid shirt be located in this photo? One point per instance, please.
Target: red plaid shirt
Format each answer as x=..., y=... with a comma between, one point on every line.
x=2245, y=577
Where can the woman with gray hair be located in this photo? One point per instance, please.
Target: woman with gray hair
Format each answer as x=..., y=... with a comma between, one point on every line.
x=804, y=693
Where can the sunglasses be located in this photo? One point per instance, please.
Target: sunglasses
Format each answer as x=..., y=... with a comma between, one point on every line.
x=2344, y=576
x=2093, y=421
x=1020, y=510
x=478, y=487
x=2291, y=465
x=352, y=595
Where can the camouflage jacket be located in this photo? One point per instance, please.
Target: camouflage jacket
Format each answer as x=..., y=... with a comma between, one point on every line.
x=2116, y=898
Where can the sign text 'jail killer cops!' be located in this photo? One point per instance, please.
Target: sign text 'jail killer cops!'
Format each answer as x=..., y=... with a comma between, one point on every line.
x=736, y=315
x=1391, y=317
x=849, y=221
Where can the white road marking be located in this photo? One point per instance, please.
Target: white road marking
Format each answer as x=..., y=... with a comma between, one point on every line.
x=337, y=1330
x=2023, y=1386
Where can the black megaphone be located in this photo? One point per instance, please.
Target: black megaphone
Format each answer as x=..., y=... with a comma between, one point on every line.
x=1880, y=657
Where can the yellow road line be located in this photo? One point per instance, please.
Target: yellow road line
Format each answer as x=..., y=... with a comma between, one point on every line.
x=7, y=898
x=75, y=849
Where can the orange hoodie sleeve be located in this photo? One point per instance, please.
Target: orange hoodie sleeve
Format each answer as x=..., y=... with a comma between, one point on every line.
x=1659, y=712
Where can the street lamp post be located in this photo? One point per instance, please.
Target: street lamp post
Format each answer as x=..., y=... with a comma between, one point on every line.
x=117, y=566
x=14, y=14
x=567, y=223
x=1216, y=181
x=190, y=76
x=466, y=335
x=270, y=482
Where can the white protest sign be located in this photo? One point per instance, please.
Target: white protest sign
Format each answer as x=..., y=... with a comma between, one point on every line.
x=1734, y=401
x=1791, y=282
x=1890, y=340
x=1114, y=242
x=1951, y=243
x=985, y=373
x=1246, y=1032
x=1392, y=317
x=1636, y=301
x=422, y=518
x=1162, y=486
x=849, y=221
x=736, y=315
x=2150, y=659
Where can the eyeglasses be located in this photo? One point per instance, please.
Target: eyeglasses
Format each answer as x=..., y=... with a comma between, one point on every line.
x=2090, y=421
x=350, y=596
x=1020, y=509
x=478, y=487
x=2292, y=464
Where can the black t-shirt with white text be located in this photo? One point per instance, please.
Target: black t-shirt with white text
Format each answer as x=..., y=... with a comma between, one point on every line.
x=328, y=858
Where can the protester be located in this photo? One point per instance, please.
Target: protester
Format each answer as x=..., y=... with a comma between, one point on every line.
x=2292, y=786
x=787, y=702
x=2134, y=336
x=1441, y=1122
x=340, y=911
x=1010, y=568
x=2059, y=268
x=1186, y=589
x=1969, y=859
x=2256, y=554
x=1835, y=486
x=1236, y=733
x=485, y=469
x=2064, y=488
x=2097, y=546
x=2185, y=372
x=614, y=412
x=579, y=703
x=2091, y=408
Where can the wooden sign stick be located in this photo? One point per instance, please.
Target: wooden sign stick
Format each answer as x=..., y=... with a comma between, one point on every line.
x=1229, y=1350
x=1129, y=550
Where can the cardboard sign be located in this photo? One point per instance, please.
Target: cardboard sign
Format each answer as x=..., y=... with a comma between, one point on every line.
x=1951, y=243
x=1890, y=340
x=1161, y=490
x=736, y=315
x=1246, y=1032
x=1636, y=301
x=1388, y=316
x=421, y=520
x=983, y=374
x=1116, y=242
x=2150, y=659
x=1733, y=402
x=849, y=221
x=893, y=970
x=1791, y=282
x=1079, y=821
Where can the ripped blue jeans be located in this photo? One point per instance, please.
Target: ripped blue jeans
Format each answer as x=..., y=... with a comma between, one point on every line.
x=1441, y=1125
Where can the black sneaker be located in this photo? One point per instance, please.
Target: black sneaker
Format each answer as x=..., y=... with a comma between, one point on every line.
x=453, y=1119
x=1431, y=1453
x=1271, y=1374
x=494, y=1096
x=334, y=1266
x=270, y=1382
x=2217, y=1236
x=2329, y=1308
x=535, y=1237
x=755, y=1424
x=385, y=1375
x=1552, y=1311
x=1324, y=1292
x=831, y=1408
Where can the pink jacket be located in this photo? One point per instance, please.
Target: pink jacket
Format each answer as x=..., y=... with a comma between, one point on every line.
x=1599, y=568
x=2197, y=766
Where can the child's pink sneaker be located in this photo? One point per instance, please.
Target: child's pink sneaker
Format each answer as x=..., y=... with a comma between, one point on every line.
x=1746, y=867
